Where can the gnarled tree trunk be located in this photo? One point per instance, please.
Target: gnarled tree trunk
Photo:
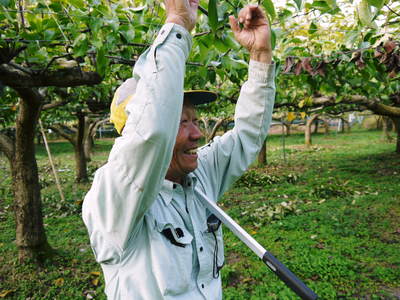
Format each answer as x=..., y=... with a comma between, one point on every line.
x=307, y=132
x=30, y=234
x=80, y=159
x=262, y=155
x=396, y=122
x=386, y=126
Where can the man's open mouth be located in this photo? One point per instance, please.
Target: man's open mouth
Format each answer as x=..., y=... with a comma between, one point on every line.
x=191, y=151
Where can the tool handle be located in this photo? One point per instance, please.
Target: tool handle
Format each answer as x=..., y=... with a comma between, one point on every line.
x=288, y=277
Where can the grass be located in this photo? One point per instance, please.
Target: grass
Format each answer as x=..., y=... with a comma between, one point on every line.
x=330, y=213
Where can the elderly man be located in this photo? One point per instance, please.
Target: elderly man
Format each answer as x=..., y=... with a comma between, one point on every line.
x=148, y=226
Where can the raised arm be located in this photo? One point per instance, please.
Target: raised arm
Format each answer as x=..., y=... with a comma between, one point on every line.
x=227, y=157
x=127, y=185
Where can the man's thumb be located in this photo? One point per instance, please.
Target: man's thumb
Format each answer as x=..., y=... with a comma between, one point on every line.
x=234, y=24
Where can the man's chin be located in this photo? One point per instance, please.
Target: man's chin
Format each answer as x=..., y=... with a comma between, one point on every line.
x=191, y=168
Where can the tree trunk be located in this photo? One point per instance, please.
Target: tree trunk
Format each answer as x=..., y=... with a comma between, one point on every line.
x=346, y=124
x=262, y=155
x=316, y=126
x=326, y=126
x=386, y=122
x=206, y=131
x=287, y=128
x=307, y=132
x=80, y=159
x=90, y=133
x=213, y=132
x=88, y=140
x=30, y=234
x=396, y=122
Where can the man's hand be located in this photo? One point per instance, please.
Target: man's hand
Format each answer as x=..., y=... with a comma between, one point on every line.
x=255, y=34
x=182, y=12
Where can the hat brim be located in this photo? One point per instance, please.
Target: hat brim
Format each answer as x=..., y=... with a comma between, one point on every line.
x=198, y=97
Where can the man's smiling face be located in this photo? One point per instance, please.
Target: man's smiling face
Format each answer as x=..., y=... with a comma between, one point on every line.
x=184, y=157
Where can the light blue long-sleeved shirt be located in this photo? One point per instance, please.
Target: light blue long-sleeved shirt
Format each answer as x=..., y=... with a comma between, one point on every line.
x=131, y=203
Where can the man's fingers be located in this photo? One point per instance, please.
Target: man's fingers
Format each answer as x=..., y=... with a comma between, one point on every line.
x=249, y=14
x=194, y=4
x=234, y=25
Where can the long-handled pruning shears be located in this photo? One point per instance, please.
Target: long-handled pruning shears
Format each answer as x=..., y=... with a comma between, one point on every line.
x=290, y=279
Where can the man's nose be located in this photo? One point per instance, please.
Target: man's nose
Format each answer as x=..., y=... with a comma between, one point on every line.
x=195, y=133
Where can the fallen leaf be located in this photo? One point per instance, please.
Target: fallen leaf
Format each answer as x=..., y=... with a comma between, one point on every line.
x=95, y=282
x=5, y=293
x=95, y=273
x=315, y=277
x=59, y=282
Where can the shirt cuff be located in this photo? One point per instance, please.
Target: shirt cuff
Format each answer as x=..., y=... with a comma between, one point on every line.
x=263, y=72
x=174, y=33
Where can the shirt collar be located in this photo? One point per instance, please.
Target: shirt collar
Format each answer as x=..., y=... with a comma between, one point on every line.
x=167, y=188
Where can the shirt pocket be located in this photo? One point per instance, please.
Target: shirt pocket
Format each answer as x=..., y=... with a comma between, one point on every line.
x=214, y=247
x=177, y=245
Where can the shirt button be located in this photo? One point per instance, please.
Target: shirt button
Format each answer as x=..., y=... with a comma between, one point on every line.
x=202, y=286
x=162, y=31
x=179, y=36
x=201, y=249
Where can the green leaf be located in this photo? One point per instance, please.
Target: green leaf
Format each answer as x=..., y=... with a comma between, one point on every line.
x=298, y=3
x=77, y=3
x=4, y=3
x=220, y=45
x=332, y=3
x=321, y=6
x=313, y=28
x=364, y=13
x=269, y=7
x=127, y=32
x=81, y=45
x=101, y=61
x=273, y=39
x=230, y=41
x=49, y=34
x=377, y=3
x=213, y=14
x=284, y=14
x=95, y=24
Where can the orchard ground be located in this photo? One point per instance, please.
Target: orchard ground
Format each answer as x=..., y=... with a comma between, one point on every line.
x=330, y=213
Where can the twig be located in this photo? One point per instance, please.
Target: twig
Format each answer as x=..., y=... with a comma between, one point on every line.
x=51, y=61
x=21, y=12
x=387, y=6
